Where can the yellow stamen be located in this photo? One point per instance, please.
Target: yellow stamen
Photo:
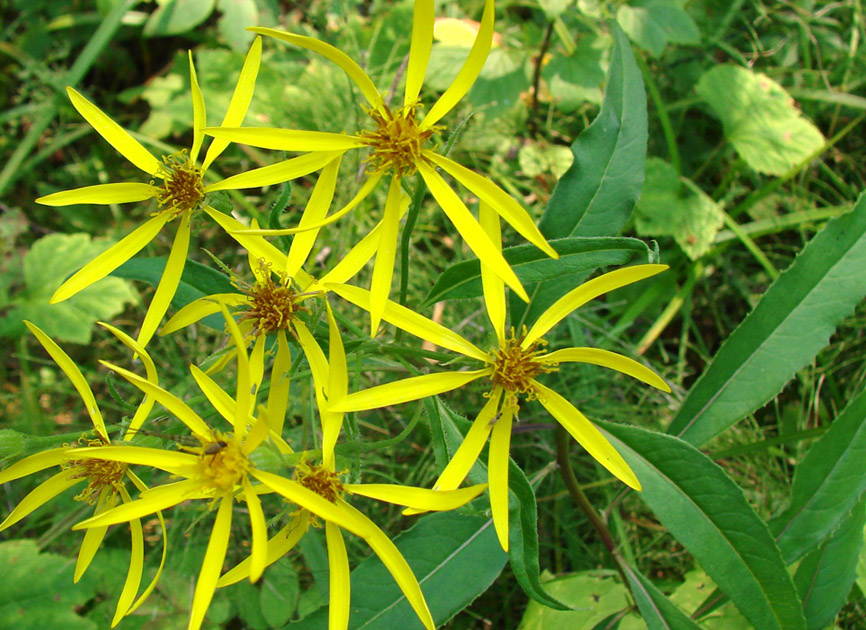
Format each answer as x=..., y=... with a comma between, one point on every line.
x=396, y=141
x=182, y=188
x=320, y=480
x=100, y=473
x=270, y=306
x=222, y=464
x=515, y=368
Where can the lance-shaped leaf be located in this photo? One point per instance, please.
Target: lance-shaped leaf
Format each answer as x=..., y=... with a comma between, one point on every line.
x=658, y=611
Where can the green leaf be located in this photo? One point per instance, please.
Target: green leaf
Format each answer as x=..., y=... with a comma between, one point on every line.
x=37, y=591
x=657, y=610
x=825, y=576
x=553, y=8
x=576, y=256
x=504, y=77
x=536, y=158
x=759, y=118
x=236, y=16
x=48, y=263
x=245, y=598
x=280, y=591
x=455, y=558
x=653, y=24
x=579, y=77
x=177, y=16
x=827, y=484
x=593, y=596
x=673, y=206
x=707, y=512
x=791, y=323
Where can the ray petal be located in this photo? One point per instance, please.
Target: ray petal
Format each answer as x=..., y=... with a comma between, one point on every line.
x=296, y=140
x=419, y=49
x=101, y=194
x=199, y=115
x=497, y=473
x=93, y=537
x=212, y=565
x=492, y=285
x=421, y=499
x=39, y=496
x=259, y=553
x=35, y=463
x=608, y=359
x=413, y=388
x=317, y=208
x=383, y=270
x=199, y=309
x=276, y=173
x=338, y=563
x=154, y=500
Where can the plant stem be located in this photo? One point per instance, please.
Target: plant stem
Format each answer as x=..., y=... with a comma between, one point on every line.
x=411, y=218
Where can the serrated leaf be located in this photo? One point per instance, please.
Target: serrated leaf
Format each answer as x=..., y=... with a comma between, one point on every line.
x=576, y=256
x=658, y=611
x=759, y=118
x=177, y=16
x=825, y=576
x=673, y=206
x=791, y=323
x=279, y=594
x=708, y=513
x=592, y=596
x=455, y=558
x=653, y=24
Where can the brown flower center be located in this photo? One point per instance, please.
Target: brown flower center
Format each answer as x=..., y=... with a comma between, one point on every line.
x=182, y=188
x=100, y=473
x=270, y=306
x=515, y=367
x=320, y=480
x=396, y=141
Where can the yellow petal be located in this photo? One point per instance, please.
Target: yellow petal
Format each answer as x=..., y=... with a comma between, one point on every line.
x=133, y=576
x=257, y=365
x=212, y=565
x=338, y=385
x=316, y=359
x=276, y=173
x=497, y=473
x=383, y=270
x=111, y=259
x=468, y=73
x=102, y=194
x=317, y=208
x=147, y=591
x=584, y=293
x=413, y=388
x=34, y=463
x=259, y=527
x=278, y=394
x=498, y=199
x=356, y=74
x=393, y=561
x=296, y=493
x=74, y=375
x=40, y=495
x=114, y=134
x=608, y=359
x=286, y=139
x=141, y=455
x=491, y=284
x=216, y=395
x=240, y=102
x=93, y=537
x=243, y=392
x=169, y=282
x=419, y=49
x=421, y=499
x=154, y=500
x=338, y=565
x=469, y=229
x=199, y=115
x=586, y=435
x=257, y=434
x=412, y=322
x=199, y=309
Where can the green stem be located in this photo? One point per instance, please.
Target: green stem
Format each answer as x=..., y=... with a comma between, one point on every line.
x=411, y=218
x=664, y=119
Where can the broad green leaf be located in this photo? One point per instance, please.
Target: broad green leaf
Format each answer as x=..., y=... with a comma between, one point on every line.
x=707, y=512
x=245, y=598
x=455, y=558
x=657, y=610
x=592, y=595
x=827, y=484
x=673, y=206
x=537, y=158
x=236, y=16
x=825, y=576
x=579, y=77
x=576, y=256
x=499, y=86
x=695, y=590
x=279, y=594
x=37, y=591
x=759, y=118
x=48, y=263
x=177, y=16
x=653, y=24
x=791, y=323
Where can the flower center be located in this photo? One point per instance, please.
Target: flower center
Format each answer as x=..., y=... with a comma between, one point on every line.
x=222, y=463
x=320, y=480
x=100, y=473
x=515, y=367
x=396, y=141
x=270, y=306
x=181, y=188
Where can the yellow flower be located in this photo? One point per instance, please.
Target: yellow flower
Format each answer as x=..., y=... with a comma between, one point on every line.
x=512, y=369
x=180, y=191
x=105, y=478
x=398, y=141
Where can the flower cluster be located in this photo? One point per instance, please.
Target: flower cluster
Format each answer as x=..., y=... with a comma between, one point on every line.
x=278, y=305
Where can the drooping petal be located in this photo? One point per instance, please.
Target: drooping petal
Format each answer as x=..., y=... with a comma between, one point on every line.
x=338, y=564
x=383, y=270
x=492, y=285
x=586, y=435
x=199, y=114
x=469, y=229
x=608, y=359
x=257, y=434
x=199, y=309
x=154, y=500
x=101, y=194
x=74, y=375
x=393, y=561
x=498, y=199
x=243, y=393
x=212, y=565
x=257, y=365
x=93, y=537
x=421, y=499
x=296, y=140
x=356, y=74
x=338, y=385
x=276, y=173
x=584, y=293
x=147, y=591
x=412, y=322
x=259, y=527
x=316, y=359
x=317, y=208
x=278, y=394
x=111, y=259
x=216, y=395
x=114, y=134
x=169, y=282
x=419, y=49
x=136, y=568
x=170, y=461
x=296, y=493
x=468, y=73
x=497, y=473
x=39, y=496
x=413, y=388
x=240, y=102
x=35, y=463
